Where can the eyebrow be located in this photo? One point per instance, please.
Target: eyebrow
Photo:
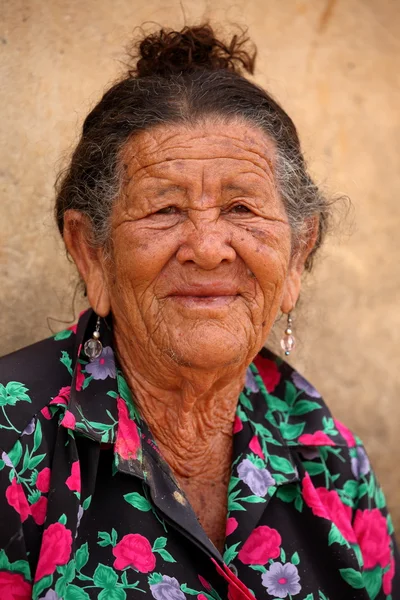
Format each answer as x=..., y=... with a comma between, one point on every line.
x=162, y=190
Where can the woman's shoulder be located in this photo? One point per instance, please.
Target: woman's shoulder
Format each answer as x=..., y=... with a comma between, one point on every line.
x=29, y=379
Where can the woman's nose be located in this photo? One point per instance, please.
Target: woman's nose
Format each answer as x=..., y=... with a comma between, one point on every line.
x=206, y=243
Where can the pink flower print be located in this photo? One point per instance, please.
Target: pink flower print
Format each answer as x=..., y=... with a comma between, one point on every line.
x=339, y=513
x=312, y=499
x=46, y=413
x=204, y=583
x=236, y=588
x=68, y=420
x=74, y=480
x=17, y=499
x=14, y=587
x=134, y=550
x=73, y=328
x=262, y=544
x=80, y=378
x=373, y=538
x=387, y=579
x=255, y=447
x=268, y=371
x=43, y=480
x=231, y=525
x=128, y=441
x=55, y=549
x=63, y=396
x=39, y=510
x=345, y=433
x=237, y=425
x=201, y=597
x=318, y=438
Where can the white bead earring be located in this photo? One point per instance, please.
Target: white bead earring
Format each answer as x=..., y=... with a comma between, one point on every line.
x=93, y=347
x=288, y=341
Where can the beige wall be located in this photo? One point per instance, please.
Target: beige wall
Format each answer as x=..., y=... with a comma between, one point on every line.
x=335, y=67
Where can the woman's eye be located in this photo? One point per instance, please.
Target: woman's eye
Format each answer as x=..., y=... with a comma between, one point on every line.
x=240, y=208
x=167, y=210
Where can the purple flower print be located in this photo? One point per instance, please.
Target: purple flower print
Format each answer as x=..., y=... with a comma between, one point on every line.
x=309, y=453
x=250, y=382
x=30, y=428
x=360, y=463
x=167, y=589
x=6, y=459
x=258, y=480
x=103, y=366
x=50, y=595
x=281, y=580
x=303, y=384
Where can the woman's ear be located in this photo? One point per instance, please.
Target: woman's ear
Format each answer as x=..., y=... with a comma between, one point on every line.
x=89, y=260
x=297, y=264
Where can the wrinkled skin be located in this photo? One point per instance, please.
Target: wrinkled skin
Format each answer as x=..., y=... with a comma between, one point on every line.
x=199, y=265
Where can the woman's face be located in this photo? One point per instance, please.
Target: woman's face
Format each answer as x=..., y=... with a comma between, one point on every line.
x=201, y=246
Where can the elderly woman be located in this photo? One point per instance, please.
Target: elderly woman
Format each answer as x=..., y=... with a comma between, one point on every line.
x=157, y=450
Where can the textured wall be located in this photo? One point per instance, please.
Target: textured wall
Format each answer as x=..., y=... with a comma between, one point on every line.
x=335, y=67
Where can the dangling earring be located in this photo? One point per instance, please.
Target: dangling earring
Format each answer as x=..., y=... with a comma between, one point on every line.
x=93, y=347
x=288, y=341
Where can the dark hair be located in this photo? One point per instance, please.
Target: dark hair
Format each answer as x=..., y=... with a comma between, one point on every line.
x=183, y=77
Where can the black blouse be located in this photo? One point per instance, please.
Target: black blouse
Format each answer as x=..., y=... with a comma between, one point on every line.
x=89, y=508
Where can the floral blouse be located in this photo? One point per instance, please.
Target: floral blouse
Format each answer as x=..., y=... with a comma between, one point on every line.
x=90, y=510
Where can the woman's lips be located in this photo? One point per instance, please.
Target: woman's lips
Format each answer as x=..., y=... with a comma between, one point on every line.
x=204, y=301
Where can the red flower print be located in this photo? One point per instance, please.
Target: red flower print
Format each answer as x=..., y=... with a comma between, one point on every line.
x=255, y=447
x=204, y=583
x=43, y=480
x=231, y=525
x=201, y=597
x=68, y=420
x=46, y=413
x=17, y=499
x=372, y=535
x=237, y=425
x=73, y=328
x=312, y=499
x=269, y=372
x=39, y=510
x=261, y=545
x=128, y=441
x=387, y=579
x=74, y=480
x=55, y=549
x=63, y=396
x=339, y=513
x=346, y=433
x=319, y=438
x=135, y=551
x=80, y=378
x=236, y=588
x=14, y=587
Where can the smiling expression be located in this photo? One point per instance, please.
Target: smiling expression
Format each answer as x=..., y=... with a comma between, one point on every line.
x=201, y=244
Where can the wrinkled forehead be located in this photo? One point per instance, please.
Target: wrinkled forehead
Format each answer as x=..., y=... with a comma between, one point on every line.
x=230, y=145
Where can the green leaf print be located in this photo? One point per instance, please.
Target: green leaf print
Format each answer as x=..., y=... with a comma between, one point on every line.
x=353, y=578
x=302, y=407
x=309, y=597
x=66, y=361
x=105, y=539
x=295, y=559
x=105, y=577
x=283, y=555
x=291, y=393
x=155, y=578
x=314, y=468
x=160, y=543
x=41, y=585
x=335, y=537
x=86, y=502
x=373, y=581
x=166, y=555
x=12, y=393
x=188, y=590
x=230, y=553
x=82, y=556
x=15, y=453
x=75, y=593
x=4, y=562
x=291, y=432
x=138, y=501
x=115, y=594
x=288, y=493
x=280, y=464
x=63, y=335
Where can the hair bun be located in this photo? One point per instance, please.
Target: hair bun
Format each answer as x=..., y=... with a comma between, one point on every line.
x=168, y=52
